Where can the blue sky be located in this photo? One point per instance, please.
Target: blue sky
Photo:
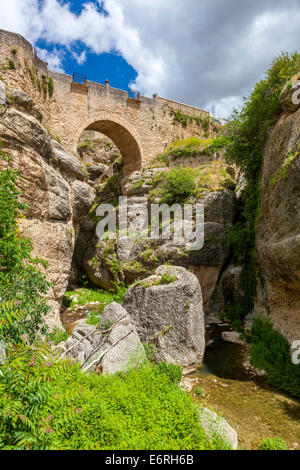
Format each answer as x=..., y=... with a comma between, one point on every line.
x=206, y=53
x=97, y=68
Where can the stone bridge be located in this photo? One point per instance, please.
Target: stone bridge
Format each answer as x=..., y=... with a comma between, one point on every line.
x=141, y=127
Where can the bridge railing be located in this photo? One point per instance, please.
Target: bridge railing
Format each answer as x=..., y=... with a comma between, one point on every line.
x=79, y=78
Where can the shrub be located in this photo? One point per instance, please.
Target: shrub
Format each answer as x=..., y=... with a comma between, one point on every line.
x=178, y=185
x=270, y=350
x=11, y=65
x=53, y=405
x=50, y=86
x=199, y=391
x=273, y=443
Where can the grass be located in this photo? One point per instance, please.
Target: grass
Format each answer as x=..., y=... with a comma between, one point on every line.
x=84, y=296
x=57, y=335
x=271, y=443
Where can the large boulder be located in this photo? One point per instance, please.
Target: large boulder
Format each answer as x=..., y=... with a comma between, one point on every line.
x=83, y=198
x=111, y=347
x=215, y=427
x=167, y=309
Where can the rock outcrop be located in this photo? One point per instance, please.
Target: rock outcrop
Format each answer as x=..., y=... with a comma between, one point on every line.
x=138, y=257
x=51, y=183
x=109, y=348
x=167, y=310
x=278, y=236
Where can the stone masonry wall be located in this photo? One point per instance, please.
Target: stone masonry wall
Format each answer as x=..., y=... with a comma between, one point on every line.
x=141, y=128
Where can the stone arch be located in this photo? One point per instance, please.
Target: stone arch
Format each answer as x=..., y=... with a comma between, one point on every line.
x=122, y=134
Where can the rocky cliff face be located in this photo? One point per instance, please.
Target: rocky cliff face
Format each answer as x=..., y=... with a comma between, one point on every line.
x=53, y=184
x=278, y=237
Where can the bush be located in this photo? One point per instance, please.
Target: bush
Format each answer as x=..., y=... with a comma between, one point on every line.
x=53, y=405
x=273, y=443
x=270, y=350
x=178, y=185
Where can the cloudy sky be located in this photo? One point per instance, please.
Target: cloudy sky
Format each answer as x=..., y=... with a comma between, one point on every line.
x=208, y=53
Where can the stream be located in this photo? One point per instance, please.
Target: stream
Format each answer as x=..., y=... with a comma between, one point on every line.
x=251, y=406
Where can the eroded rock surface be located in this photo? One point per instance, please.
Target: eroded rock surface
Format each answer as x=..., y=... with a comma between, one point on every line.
x=111, y=347
x=48, y=182
x=278, y=237
x=169, y=315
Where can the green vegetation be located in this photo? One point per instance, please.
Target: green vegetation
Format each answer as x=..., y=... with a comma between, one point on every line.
x=52, y=405
x=270, y=350
x=14, y=50
x=178, y=185
x=84, y=296
x=184, y=119
x=166, y=278
x=50, y=86
x=244, y=138
x=57, y=335
x=273, y=443
x=183, y=184
x=11, y=65
x=85, y=144
x=195, y=146
x=22, y=285
x=199, y=391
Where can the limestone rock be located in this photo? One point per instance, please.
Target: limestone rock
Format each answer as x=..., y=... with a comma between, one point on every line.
x=169, y=315
x=215, y=426
x=116, y=342
x=59, y=195
x=2, y=92
x=95, y=171
x=227, y=290
x=220, y=207
x=232, y=337
x=29, y=129
x=22, y=101
x=278, y=234
x=129, y=349
x=83, y=198
x=67, y=162
x=52, y=241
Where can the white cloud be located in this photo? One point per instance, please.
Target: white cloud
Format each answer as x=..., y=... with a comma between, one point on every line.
x=207, y=53
x=53, y=58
